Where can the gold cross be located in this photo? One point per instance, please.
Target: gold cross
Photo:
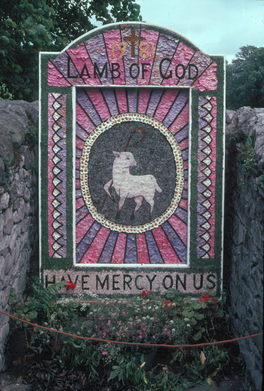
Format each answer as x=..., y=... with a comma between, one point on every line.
x=132, y=40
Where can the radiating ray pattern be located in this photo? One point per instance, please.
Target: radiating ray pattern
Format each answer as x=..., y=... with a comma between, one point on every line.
x=96, y=244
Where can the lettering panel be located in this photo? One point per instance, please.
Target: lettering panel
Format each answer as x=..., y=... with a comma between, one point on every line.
x=114, y=282
x=133, y=56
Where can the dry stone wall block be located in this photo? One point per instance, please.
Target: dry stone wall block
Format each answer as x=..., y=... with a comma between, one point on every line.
x=18, y=228
x=244, y=247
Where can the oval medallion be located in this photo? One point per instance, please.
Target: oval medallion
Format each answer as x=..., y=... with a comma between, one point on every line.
x=131, y=173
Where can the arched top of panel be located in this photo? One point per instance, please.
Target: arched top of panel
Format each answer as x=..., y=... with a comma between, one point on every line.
x=132, y=54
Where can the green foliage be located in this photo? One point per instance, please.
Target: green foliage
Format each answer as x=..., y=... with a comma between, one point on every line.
x=31, y=137
x=204, y=364
x=30, y=26
x=260, y=182
x=5, y=171
x=26, y=27
x=49, y=375
x=245, y=78
x=42, y=305
x=128, y=367
x=4, y=92
x=247, y=157
x=59, y=360
x=76, y=17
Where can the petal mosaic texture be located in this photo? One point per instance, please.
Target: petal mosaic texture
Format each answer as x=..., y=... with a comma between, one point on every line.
x=167, y=250
x=132, y=163
x=156, y=59
x=206, y=181
x=57, y=176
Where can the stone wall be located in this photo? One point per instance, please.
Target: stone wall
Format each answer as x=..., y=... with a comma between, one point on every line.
x=18, y=201
x=244, y=233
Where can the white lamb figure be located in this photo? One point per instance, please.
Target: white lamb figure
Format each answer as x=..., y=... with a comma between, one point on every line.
x=126, y=185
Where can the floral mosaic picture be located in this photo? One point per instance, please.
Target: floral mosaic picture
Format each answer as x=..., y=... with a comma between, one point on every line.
x=131, y=195
x=131, y=153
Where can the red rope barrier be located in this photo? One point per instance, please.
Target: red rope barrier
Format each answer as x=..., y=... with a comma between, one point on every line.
x=128, y=343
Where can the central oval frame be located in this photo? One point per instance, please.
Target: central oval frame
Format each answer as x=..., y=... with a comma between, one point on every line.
x=84, y=172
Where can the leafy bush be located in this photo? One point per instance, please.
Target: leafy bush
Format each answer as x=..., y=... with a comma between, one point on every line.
x=59, y=361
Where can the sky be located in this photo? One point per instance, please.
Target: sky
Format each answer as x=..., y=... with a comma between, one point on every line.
x=215, y=26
